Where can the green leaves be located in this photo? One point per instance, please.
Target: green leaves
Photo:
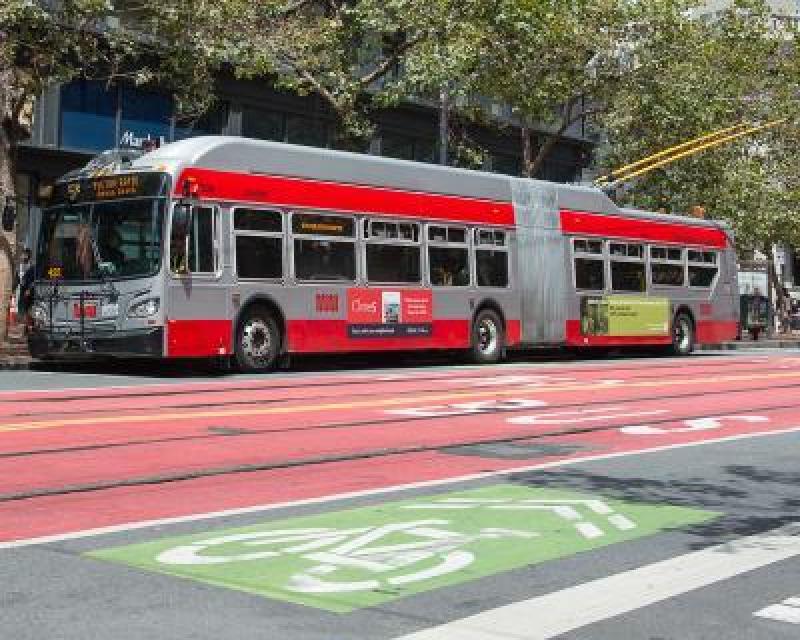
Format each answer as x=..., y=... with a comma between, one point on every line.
x=699, y=76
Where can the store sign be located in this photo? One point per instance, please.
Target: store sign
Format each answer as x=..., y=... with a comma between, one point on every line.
x=382, y=313
x=625, y=316
x=130, y=140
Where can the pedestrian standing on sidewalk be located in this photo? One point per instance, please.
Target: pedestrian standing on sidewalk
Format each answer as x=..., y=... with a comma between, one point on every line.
x=25, y=273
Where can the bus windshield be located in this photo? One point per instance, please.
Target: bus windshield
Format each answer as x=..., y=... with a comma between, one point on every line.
x=98, y=241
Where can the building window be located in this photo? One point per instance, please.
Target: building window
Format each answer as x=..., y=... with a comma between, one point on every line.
x=263, y=124
x=211, y=122
x=144, y=116
x=88, y=116
x=505, y=163
x=408, y=148
x=306, y=131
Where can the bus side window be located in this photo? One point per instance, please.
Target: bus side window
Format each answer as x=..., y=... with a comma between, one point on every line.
x=589, y=265
x=491, y=258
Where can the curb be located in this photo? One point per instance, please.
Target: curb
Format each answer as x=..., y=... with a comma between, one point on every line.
x=761, y=344
x=16, y=364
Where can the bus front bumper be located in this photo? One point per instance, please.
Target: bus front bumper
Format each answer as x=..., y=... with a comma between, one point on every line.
x=120, y=344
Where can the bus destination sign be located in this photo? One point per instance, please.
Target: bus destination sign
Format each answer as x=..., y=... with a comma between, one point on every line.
x=113, y=187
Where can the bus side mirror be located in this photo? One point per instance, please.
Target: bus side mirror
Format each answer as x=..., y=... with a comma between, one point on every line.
x=9, y=215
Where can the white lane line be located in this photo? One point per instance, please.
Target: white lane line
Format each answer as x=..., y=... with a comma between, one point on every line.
x=569, y=609
x=786, y=611
x=195, y=517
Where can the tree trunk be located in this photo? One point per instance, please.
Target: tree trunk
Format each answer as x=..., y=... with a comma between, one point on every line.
x=7, y=195
x=527, y=149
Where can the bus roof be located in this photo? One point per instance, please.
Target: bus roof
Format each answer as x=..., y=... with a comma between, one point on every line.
x=261, y=157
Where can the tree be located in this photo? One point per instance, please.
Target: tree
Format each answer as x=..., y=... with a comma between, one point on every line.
x=43, y=43
x=703, y=76
x=353, y=55
x=37, y=46
x=556, y=63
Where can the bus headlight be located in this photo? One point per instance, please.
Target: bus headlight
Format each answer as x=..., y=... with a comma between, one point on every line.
x=145, y=308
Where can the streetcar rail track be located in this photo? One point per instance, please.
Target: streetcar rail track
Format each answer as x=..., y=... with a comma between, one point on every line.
x=266, y=401
x=226, y=432
x=381, y=452
x=367, y=380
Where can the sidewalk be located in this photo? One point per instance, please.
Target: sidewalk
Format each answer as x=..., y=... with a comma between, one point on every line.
x=14, y=351
x=778, y=341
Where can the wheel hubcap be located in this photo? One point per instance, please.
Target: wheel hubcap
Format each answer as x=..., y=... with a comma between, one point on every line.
x=487, y=336
x=256, y=341
x=682, y=334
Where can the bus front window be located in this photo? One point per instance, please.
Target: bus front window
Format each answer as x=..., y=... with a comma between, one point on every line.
x=119, y=239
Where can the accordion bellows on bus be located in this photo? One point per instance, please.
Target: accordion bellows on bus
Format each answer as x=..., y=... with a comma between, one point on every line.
x=246, y=251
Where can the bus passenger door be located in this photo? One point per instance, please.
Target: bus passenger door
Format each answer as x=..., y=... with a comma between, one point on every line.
x=197, y=318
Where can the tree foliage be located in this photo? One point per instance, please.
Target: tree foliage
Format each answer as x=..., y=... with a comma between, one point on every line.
x=702, y=76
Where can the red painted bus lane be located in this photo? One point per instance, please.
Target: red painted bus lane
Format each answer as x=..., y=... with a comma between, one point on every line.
x=51, y=516
x=214, y=423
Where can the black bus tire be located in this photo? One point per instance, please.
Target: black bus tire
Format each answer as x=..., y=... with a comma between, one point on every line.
x=258, y=341
x=488, y=338
x=682, y=335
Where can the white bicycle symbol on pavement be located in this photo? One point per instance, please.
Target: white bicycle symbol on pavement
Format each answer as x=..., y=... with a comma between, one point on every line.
x=429, y=548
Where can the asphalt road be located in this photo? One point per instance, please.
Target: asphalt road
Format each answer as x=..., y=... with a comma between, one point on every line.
x=600, y=499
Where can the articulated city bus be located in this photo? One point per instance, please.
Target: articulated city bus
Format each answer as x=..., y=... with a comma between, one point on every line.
x=245, y=250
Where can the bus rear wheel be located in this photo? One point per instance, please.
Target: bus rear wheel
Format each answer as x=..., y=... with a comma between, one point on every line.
x=682, y=335
x=488, y=338
x=258, y=342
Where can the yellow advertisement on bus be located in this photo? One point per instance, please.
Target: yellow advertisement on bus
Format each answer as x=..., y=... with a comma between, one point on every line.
x=621, y=315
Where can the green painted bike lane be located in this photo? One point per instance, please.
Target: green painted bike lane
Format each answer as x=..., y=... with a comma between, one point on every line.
x=345, y=560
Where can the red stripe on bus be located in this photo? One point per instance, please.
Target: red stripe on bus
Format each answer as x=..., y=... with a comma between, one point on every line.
x=279, y=190
x=594, y=224
x=198, y=338
x=319, y=336
x=716, y=331
x=513, y=332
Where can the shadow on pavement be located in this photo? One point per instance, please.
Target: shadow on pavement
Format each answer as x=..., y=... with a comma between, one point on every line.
x=752, y=500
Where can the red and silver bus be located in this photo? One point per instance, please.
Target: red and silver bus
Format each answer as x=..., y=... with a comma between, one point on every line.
x=224, y=247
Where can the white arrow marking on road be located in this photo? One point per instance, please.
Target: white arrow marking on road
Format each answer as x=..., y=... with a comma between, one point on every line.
x=563, y=611
x=696, y=424
x=583, y=415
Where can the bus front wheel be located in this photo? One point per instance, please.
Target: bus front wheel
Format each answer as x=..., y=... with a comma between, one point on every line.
x=488, y=338
x=258, y=341
x=682, y=335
